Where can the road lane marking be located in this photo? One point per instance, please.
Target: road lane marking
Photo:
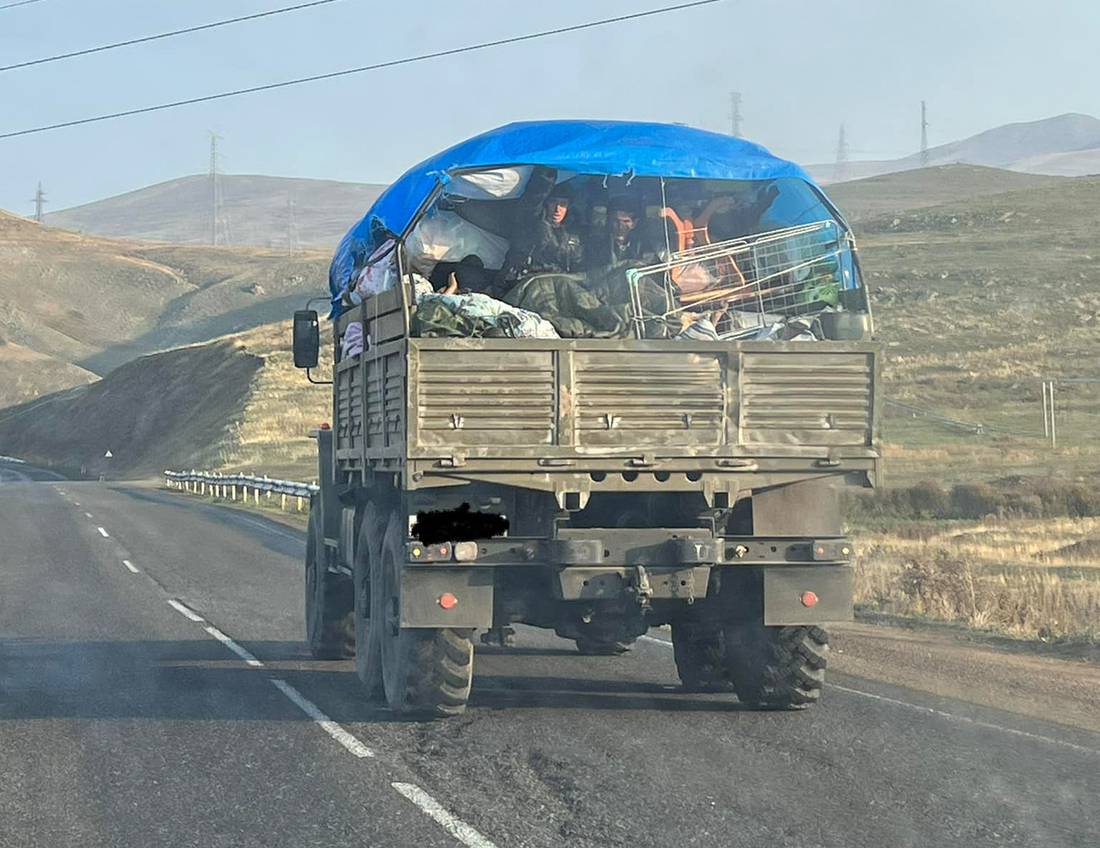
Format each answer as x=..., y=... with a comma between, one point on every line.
x=243, y=653
x=87, y=515
x=451, y=823
x=76, y=503
x=187, y=612
x=353, y=745
x=966, y=720
x=941, y=713
x=133, y=568
x=103, y=533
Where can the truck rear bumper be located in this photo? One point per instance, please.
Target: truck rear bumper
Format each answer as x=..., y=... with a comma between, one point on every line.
x=804, y=580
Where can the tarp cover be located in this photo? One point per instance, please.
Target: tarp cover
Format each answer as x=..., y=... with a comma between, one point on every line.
x=586, y=147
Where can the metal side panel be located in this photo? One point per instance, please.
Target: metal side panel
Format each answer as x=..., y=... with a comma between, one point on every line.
x=469, y=398
x=812, y=398
x=648, y=399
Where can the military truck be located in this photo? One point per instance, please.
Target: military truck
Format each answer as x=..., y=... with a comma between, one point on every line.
x=669, y=453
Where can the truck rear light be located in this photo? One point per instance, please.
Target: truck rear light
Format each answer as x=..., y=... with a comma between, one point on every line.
x=808, y=599
x=465, y=551
x=448, y=601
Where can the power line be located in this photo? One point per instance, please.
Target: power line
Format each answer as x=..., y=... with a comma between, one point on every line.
x=147, y=38
x=378, y=66
x=20, y=3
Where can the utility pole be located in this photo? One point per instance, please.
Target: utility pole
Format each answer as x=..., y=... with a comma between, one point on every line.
x=923, y=135
x=214, y=188
x=735, y=114
x=39, y=201
x=841, y=172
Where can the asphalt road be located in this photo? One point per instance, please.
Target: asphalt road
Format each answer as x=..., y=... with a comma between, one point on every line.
x=128, y=720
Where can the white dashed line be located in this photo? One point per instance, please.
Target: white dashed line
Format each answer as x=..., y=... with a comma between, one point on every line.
x=187, y=612
x=233, y=646
x=76, y=503
x=133, y=568
x=103, y=533
x=941, y=713
x=87, y=515
x=451, y=823
x=966, y=720
x=353, y=745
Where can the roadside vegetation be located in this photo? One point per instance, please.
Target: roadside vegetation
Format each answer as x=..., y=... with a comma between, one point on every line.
x=1020, y=559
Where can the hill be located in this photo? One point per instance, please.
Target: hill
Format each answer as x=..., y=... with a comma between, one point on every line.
x=256, y=211
x=1065, y=145
x=924, y=187
x=73, y=307
x=234, y=403
x=977, y=301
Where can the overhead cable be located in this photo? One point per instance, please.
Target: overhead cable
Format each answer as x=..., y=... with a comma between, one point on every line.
x=20, y=3
x=377, y=66
x=158, y=36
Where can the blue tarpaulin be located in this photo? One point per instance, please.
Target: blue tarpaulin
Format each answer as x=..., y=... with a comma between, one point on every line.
x=585, y=147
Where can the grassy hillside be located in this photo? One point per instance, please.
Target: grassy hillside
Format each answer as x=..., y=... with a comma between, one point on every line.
x=979, y=301
x=73, y=307
x=252, y=210
x=921, y=187
x=236, y=403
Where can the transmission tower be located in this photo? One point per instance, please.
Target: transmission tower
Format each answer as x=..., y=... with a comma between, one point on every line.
x=735, y=114
x=923, y=135
x=292, y=221
x=214, y=188
x=841, y=172
x=39, y=201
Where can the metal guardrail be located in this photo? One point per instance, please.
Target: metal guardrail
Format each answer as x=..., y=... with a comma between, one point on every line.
x=240, y=486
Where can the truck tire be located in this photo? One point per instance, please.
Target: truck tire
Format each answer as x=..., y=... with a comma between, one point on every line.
x=426, y=672
x=368, y=638
x=328, y=598
x=604, y=647
x=778, y=668
x=699, y=652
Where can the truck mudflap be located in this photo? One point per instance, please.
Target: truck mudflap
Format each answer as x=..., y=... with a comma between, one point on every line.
x=808, y=594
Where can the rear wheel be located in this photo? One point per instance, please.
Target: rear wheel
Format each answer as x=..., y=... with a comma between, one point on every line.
x=368, y=630
x=699, y=652
x=780, y=668
x=425, y=671
x=328, y=597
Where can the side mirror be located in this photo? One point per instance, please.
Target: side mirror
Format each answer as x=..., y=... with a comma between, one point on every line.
x=307, y=338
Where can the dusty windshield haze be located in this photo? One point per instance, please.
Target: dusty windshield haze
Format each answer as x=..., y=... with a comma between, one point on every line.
x=495, y=425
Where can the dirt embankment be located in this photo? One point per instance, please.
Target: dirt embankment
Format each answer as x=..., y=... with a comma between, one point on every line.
x=173, y=408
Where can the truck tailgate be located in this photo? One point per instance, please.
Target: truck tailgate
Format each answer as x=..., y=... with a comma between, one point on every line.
x=495, y=397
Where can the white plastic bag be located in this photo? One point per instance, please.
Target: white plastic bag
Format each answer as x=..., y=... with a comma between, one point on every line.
x=447, y=237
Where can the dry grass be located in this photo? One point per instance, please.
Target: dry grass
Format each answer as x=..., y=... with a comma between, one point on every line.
x=271, y=435
x=1012, y=576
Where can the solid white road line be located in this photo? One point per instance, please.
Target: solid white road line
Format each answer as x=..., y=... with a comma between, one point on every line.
x=451, y=823
x=185, y=611
x=941, y=713
x=103, y=533
x=353, y=745
x=131, y=566
x=966, y=720
x=233, y=646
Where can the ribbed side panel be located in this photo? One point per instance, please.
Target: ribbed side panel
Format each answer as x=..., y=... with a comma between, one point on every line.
x=475, y=398
x=349, y=408
x=658, y=399
x=808, y=399
x=385, y=412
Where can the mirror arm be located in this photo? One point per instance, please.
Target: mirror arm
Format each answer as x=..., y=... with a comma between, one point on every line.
x=309, y=377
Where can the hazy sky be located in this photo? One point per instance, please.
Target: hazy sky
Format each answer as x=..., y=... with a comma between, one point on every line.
x=802, y=68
